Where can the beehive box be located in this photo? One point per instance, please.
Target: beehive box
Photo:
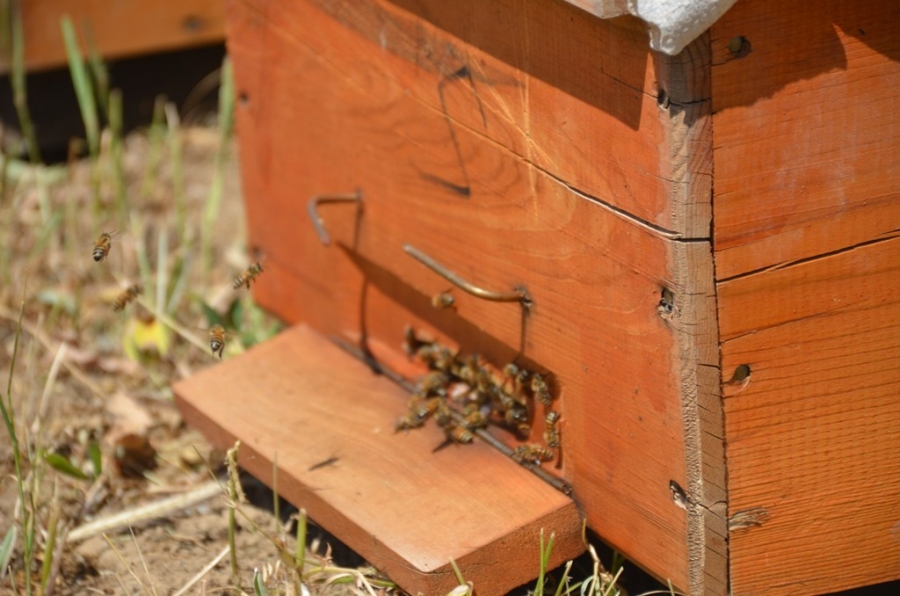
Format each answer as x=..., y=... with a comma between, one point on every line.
x=709, y=247
x=117, y=28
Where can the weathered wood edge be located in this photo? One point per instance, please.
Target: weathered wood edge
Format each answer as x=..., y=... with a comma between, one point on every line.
x=685, y=106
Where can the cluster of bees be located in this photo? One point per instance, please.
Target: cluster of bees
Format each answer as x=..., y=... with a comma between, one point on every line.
x=480, y=397
x=217, y=333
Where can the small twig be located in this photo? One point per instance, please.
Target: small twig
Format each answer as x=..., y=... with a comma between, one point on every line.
x=144, y=513
x=44, y=340
x=209, y=566
x=48, y=388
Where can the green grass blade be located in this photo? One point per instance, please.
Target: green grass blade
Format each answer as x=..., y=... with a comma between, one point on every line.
x=99, y=72
x=7, y=547
x=214, y=199
x=84, y=90
x=63, y=465
x=259, y=586
x=16, y=37
x=117, y=153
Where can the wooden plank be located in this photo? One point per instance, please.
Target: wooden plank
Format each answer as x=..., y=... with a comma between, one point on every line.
x=304, y=399
x=807, y=133
x=513, y=74
x=814, y=437
x=120, y=27
x=687, y=108
x=618, y=365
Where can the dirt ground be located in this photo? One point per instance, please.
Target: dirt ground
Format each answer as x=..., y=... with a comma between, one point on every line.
x=87, y=376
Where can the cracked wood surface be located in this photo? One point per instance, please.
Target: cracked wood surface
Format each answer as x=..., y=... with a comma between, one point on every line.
x=806, y=130
x=119, y=28
x=807, y=213
x=500, y=163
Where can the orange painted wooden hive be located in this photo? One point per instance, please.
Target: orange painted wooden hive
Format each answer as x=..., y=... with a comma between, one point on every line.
x=709, y=248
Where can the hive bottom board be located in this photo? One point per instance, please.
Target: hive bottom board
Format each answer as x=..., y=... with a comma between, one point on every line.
x=404, y=507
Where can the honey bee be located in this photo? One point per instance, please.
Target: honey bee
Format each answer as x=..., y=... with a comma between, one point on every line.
x=410, y=420
x=517, y=376
x=102, y=246
x=540, y=390
x=517, y=417
x=475, y=416
x=247, y=276
x=442, y=300
x=459, y=434
x=127, y=296
x=434, y=383
x=412, y=344
x=217, y=340
x=442, y=415
x=532, y=454
x=551, y=432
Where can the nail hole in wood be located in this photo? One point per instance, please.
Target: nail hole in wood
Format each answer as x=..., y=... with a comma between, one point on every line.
x=739, y=46
x=192, y=23
x=666, y=305
x=741, y=374
x=662, y=99
x=243, y=98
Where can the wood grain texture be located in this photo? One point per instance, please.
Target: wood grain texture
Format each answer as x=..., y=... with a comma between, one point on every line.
x=686, y=115
x=807, y=133
x=319, y=115
x=814, y=436
x=305, y=400
x=120, y=27
x=510, y=73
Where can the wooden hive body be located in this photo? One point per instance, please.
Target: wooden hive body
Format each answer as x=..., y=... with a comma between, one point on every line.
x=657, y=233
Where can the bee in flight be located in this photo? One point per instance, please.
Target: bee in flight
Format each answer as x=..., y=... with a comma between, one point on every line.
x=442, y=300
x=102, y=246
x=248, y=275
x=126, y=297
x=217, y=340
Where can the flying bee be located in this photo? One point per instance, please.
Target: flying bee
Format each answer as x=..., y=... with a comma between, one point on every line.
x=532, y=454
x=102, y=246
x=551, y=432
x=248, y=275
x=126, y=296
x=540, y=390
x=442, y=300
x=459, y=434
x=217, y=340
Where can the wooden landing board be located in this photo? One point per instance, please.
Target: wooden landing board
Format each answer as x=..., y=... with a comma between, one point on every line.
x=120, y=28
x=404, y=508
x=814, y=434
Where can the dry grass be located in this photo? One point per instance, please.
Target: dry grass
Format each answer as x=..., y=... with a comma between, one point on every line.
x=102, y=489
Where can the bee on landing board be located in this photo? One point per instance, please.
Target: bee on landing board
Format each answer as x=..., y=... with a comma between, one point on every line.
x=459, y=434
x=123, y=299
x=532, y=454
x=248, y=276
x=551, y=432
x=102, y=246
x=217, y=340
